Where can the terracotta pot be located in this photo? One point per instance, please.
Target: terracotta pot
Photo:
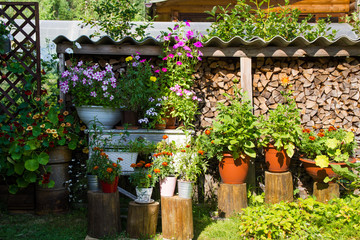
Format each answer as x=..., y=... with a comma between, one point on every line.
x=276, y=161
x=130, y=118
x=318, y=173
x=160, y=126
x=170, y=122
x=233, y=171
x=109, y=187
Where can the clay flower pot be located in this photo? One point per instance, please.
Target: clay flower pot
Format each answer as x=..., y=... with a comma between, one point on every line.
x=318, y=173
x=276, y=161
x=233, y=171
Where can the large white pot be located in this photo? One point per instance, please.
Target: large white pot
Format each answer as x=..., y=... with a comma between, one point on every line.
x=108, y=117
x=143, y=195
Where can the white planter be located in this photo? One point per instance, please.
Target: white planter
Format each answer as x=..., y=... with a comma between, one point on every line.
x=128, y=159
x=108, y=117
x=143, y=195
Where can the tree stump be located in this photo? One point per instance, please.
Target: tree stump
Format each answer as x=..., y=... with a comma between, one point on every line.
x=177, y=218
x=278, y=187
x=326, y=191
x=232, y=198
x=142, y=220
x=103, y=214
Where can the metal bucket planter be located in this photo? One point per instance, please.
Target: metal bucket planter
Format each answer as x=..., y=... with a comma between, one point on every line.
x=185, y=189
x=93, y=183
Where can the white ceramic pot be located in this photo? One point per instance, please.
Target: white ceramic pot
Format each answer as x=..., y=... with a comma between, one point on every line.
x=108, y=117
x=167, y=186
x=143, y=195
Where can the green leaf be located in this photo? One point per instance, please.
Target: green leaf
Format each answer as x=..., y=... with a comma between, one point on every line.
x=250, y=152
x=52, y=115
x=21, y=182
x=32, y=165
x=249, y=144
x=72, y=145
x=327, y=179
x=332, y=143
x=43, y=158
x=322, y=161
x=19, y=168
x=36, y=131
x=51, y=184
x=16, y=155
x=13, y=189
x=30, y=176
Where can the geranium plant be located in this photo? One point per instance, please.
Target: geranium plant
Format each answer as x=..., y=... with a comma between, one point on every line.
x=99, y=164
x=234, y=131
x=143, y=175
x=282, y=125
x=327, y=145
x=90, y=85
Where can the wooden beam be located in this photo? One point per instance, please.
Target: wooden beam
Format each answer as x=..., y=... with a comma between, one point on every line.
x=241, y=51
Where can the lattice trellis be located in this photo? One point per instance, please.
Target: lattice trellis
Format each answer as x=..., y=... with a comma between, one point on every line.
x=25, y=50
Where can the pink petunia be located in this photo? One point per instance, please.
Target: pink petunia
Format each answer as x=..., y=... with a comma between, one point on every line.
x=189, y=34
x=198, y=44
x=143, y=60
x=165, y=58
x=164, y=69
x=177, y=38
x=171, y=55
x=189, y=55
x=179, y=63
x=176, y=27
x=186, y=48
x=157, y=71
x=187, y=23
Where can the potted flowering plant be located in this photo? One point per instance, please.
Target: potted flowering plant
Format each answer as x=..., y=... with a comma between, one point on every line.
x=232, y=138
x=154, y=116
x=28, y=140
x=164, y=168
x=95, y=93
x=139, y=83
x=5, y=38
x=107, y=171
x=325, y=149
x=144, y=180
x=189, y=163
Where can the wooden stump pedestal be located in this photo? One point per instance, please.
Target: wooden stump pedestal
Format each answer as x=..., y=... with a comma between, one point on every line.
x=177, y=218
x=278, y=187
x=232, y=198
x=325, y=191
x=142, y=220
x=103, y=214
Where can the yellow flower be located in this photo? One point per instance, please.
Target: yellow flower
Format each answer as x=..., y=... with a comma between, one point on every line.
x=29, y=128
x=55, y=135
x=48, y=130
x=129, y=58
x=153, y=79
x=83, y=128
x=53, y=130
x=42, y=125
x=62, y=125
x=36, y=116
x=85, y=150
x=66, y=113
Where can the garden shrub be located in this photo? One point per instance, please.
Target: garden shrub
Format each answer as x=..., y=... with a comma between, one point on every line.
x=247, y=22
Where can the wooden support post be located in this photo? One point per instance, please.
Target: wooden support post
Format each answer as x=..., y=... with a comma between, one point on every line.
x=103, y=214
x=177, y=218
x=278, y=187
x=325, y=191
x=232, y=198
x=142, y=220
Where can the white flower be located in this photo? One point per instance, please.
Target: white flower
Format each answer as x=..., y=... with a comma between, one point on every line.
x=47, y=58
x=69, y=51
x=77, y=45
x=52, y=46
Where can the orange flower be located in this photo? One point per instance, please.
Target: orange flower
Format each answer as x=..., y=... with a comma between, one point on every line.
x=95, y=148
x=212, y=141
x=148, y=165
x=102, y=154
x=183, y=150
x=321, y=130
x=149, y=175
x=353, y=130
x=164, y=164
x=207, y=132
x=143, y=162
x=65, y=113
x=60, y=100
x=156, y=170
x=312, y=138
x=188, y=145
x=285, y=81
x=109, y=170
x=165, y=137
x=201, y=152
x=337, y=127
x=120, y=159
x=331, y=128
x=133, y=165
x=320, y=134
x=306, y=130
x=139, y=164
x=114, y=165
x=96, y=167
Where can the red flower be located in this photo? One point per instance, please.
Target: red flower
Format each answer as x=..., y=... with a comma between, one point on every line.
x=331, y=128
x=320, y=134
x=61, y=117
x=28, y=92
x=149, y=175
x=156, y=170
x=120, y=159
x=306, y=130
x=148, y=165
x=139, y=164
x=183, y=150
x=188, y=145
x=11, y=139
x=165, y=137
x=51, y=144
x=114, y=165
x=133, y=165
x=312, y=138
x=201, y=152
x=109, y=170
x=207, y=132
x=164, y=164
x=96, y=167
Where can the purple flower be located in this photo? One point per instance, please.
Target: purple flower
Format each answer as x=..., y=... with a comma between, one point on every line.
x=199, y=58
x=65, y=74
x=135, y=64
x=200, y=53
x=64, y=87
x=198, y=44
x=157, y=71
x=137, y=57
x=80, y=63
x=166, y=38
x=164, y=69
x=137, y=53
x=74, y=78
x=189, y=55
x=108, y=68
x=179, y=94
x=176, y=27
x=187, y=23
x=179, y=63
x=143, y=60
x=165, y=58
x=189, y=34
x=186, y=48
x=171, y=55
x=179, y=53
x=151, y=99
x=93, y=94
x=181, y=44
x=177, y=38
x=111, y=97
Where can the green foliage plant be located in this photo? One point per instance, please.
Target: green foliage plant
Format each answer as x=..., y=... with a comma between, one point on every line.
x=4, y=34
x=138, y=83
x=99, y=164
x=114, y=17
x=282, y=125
x=90, y=85
x=25, y=140
x=234, y=131
x=247, y=22
x=354, y=20
x=143, y=175
x=327, y=145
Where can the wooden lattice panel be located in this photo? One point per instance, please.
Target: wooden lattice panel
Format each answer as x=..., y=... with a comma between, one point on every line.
x=25, y=51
